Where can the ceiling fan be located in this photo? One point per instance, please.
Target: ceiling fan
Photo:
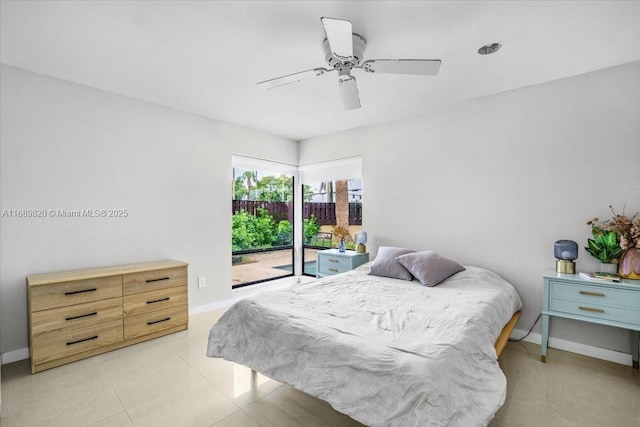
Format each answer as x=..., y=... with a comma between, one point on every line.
x=343, y=52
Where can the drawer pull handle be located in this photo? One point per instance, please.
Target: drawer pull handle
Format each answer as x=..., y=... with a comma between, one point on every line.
x=334, y=270
x=95, y=313
x=593, y=294
x=333, y=260
x=157, y=280
x=158, y=321
x=95, y=337
x=81, y=292
x=595, y=310
x=158, y=300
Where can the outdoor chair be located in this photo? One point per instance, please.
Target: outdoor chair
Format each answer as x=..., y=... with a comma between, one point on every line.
x=321, y=239
x=285, y=239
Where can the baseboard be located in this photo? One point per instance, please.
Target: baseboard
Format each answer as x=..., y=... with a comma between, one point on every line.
x=15, y=355
x=574, y=347
x=211, y=307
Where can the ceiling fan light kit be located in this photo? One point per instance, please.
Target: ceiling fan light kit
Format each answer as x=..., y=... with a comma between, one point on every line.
x=349, y=93
x=344, y=51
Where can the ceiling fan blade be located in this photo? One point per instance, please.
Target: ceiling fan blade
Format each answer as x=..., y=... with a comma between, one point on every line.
x=292, y=78
x=423, y=67
x=340, y=37
x=349, y=93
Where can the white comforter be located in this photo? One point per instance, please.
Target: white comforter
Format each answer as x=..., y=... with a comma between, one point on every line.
x=386, y=352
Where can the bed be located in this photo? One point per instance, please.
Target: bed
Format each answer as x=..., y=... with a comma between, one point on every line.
x=384, y=351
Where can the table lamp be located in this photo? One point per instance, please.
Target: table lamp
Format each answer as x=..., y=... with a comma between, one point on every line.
x=361, y=240
x=565, y=251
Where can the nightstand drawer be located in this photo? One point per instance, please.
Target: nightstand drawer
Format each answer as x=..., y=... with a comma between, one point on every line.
x=337, y=263
x=333, y=264
x=332, y=261
x=595, y=294
x=599, y=311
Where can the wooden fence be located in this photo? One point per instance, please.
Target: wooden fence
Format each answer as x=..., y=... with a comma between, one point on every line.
x=325, y=213
x=355, y=213
x=278, y=210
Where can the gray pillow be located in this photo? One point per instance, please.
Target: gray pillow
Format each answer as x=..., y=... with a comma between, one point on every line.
x=429, y=267
x=387, y=265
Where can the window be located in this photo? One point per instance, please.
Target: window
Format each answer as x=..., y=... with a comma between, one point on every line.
x=332, y=195
x=262, y=221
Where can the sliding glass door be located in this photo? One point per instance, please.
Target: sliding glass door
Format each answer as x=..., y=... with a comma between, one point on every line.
x=333, y=197
x=262, y=222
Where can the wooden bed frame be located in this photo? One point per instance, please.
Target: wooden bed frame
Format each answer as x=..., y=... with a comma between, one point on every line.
x=501, y=342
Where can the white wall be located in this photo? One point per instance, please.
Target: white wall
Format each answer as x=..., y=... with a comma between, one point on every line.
x=496, y=181
x=517, y=170
x=66, y=146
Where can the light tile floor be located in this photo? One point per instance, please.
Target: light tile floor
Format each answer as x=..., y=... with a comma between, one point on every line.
x=170, y=382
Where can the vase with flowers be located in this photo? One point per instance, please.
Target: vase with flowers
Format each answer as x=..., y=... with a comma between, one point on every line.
x=624, y=231
x=342, y=234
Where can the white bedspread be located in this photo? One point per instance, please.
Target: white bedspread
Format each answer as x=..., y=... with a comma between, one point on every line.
x=386, y=352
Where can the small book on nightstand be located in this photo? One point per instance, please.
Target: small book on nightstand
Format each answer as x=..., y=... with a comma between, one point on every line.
x=602, y=276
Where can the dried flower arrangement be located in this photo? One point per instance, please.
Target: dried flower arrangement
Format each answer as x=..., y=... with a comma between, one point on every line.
x=341, y=233
x=626, y=228
x=611, y=238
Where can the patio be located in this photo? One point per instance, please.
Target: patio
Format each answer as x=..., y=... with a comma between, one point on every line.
x=269, y=265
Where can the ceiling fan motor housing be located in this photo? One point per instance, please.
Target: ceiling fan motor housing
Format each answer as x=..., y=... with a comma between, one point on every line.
x=359, y=44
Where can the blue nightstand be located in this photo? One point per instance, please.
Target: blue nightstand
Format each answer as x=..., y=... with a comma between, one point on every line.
x=331, y=261
x=607, y=303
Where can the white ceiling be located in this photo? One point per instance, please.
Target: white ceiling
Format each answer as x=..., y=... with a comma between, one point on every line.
x=205, y=57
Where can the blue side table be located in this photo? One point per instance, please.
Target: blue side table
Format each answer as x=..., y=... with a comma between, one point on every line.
x=607, y=303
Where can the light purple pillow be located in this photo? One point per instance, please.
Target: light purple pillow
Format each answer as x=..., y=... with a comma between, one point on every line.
x=429, y=267
x=387, y=265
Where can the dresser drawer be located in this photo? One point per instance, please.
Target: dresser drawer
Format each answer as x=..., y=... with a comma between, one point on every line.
x=64, y=294
x=595, y=294
x=58, y=343
x=64, y=319
x=160, y=299
x=593, y=310
x=333, y=265
x=149, y=323
x=134, y=283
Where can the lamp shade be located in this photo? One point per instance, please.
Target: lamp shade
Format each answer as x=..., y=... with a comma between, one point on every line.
x=565, y=249
x=361, y=237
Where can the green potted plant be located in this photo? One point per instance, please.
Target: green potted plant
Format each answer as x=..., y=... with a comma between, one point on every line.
x=604, y=246
x=618, y=241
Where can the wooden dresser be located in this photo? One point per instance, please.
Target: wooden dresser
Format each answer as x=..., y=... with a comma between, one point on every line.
x=81, y=313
